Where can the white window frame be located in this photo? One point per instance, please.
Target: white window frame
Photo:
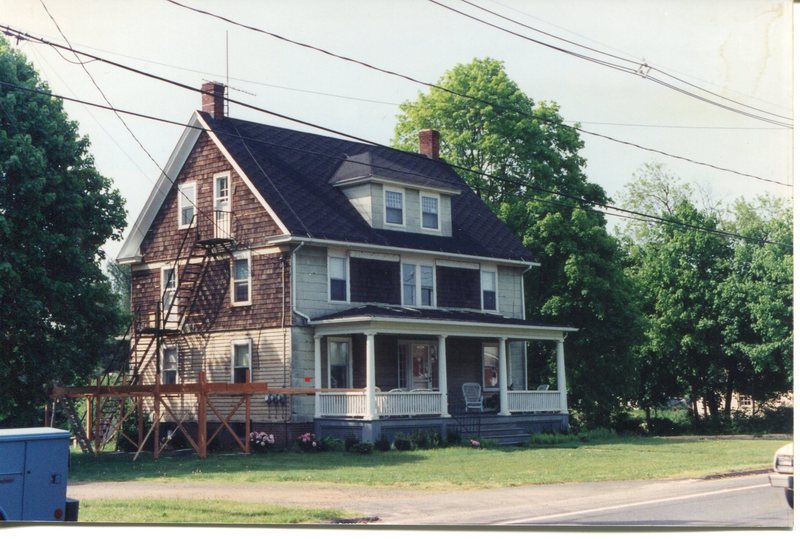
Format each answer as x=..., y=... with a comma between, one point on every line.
x=222, y=229
x=176, y=370
x=242, y=255
x=241, y=342
x=417, y=283
x=402, y=193
x=349, y=341
x=342, y=255
x=492, y=270
x=184, y=202
x=174, y=288
x=438, y=199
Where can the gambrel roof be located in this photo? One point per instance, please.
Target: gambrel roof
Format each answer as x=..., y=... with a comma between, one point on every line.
x=298, y=176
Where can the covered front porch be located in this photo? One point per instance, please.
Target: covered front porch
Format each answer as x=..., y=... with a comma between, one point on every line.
x=376, y=367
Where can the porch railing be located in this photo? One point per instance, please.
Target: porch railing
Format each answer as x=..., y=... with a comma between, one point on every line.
x=534, y=401
x=354, y=403
x=416, y=403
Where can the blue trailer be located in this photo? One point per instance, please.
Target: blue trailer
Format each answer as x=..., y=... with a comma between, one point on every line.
x=33, y=475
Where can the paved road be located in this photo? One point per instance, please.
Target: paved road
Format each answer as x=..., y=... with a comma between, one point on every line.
x=746, y=501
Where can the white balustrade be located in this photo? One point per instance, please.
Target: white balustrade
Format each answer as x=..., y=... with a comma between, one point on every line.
x=534, y=401
x=415, y=403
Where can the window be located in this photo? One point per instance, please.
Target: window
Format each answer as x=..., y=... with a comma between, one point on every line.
x=187, y=198
x=222, y=206
x=340, y=372
x=169, y=365
x=409, y=284
x=241, y=279
x=337, y=271
x=489, y=289
x=430, y=212
x=241, y=361
x=394, y=207
x=169, y=285
x=491, y=366
x=417, y=285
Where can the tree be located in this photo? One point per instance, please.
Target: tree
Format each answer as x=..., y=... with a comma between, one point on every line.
x=718, y=307
x=537, y=186
x=57, y=311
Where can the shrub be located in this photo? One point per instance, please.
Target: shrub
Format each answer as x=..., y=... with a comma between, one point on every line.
x=361, y=448
x=453, y=437
x=349, y=442
x=308, y=443
x=329, y=443
x=383, y=444
x=403, y=442
x=625, y=423
x=663, y=426
x=261, y=441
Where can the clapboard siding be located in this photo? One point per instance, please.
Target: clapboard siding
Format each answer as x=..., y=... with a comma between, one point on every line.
x=509, y=292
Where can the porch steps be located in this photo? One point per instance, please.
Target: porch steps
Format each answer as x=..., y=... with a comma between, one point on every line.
x=498, y=433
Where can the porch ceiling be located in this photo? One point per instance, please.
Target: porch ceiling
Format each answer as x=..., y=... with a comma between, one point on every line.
x=404, y=320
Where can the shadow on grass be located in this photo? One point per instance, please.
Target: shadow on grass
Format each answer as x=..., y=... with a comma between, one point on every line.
x=186, y=464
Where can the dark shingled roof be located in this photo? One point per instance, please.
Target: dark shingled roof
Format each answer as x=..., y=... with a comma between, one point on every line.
x=294, y=171
x=442, y=315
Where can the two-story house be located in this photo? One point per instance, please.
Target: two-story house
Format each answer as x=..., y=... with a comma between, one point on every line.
x=370, y=288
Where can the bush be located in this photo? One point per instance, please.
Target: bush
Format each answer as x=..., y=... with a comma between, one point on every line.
x=329, y=443
x=625, y=423
x=383, y=444
x=349, y=442
x=663, y=426
x=361, y=448
x=308, y=443
x=403, y=442
x=453, y=437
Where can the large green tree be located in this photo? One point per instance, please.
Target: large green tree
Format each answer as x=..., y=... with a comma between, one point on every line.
x=57, y=311
x=717, y=305
x=529, y=171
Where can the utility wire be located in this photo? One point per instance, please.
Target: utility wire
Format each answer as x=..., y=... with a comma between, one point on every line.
x=113, y=109
x=584, y=204
x=641, y=68
x=472, y=98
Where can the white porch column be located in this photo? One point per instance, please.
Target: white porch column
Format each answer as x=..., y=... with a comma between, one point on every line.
x=317, y=374
x=561, y=376
x=443, y=373
x=503, y=377
x=372, y=409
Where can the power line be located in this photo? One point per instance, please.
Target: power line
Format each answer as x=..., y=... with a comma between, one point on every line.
x=585, y=204
x=119, y=117
x=641, y=68
x=469, y=97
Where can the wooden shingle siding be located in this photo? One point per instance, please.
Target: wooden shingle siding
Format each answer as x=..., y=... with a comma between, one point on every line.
x=374, y=281
x=458, y=287
x=252, y=223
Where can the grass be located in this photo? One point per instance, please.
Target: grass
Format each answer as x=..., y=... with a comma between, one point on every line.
x=159, y=511
x=621, y=458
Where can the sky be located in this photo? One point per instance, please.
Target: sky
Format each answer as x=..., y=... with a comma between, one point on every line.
x=738, y=49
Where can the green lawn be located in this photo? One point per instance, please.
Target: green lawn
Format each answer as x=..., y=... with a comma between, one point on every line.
x=624, y=458
x=158, y=511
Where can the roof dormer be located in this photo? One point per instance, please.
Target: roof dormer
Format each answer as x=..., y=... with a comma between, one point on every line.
x=395, y=195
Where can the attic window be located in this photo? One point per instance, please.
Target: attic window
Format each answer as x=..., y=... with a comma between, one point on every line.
x=430, y=211
x=394, y=207
x=186, y=204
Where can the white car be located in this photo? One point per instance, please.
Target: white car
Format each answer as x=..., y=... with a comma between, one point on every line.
x=783, y=464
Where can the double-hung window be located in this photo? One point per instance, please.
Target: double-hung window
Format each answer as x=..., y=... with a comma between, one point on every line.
x=187, y=199
x=418, y=285
x=337, y=277
x=489, y=290
x=393, y=211
x=169, y=365
x=241, y=281
x=429, y=206
x=340, y=369
x=240, y=360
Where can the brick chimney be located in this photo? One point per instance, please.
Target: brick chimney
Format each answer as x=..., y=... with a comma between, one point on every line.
x=214, y=103
x=429, y=143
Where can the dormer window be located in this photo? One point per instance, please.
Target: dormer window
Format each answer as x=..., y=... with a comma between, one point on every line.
x=429, y=205
x=393, y=211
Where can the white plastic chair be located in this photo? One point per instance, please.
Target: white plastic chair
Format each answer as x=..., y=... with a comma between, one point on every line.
x=473, y=399
x=543, y=387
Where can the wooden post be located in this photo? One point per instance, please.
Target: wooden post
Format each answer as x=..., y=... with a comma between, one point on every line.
x=89, y=412
x=247, y=416
x=202, y=417
x=140, y=411
x=98, y=408
x=157, y=420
